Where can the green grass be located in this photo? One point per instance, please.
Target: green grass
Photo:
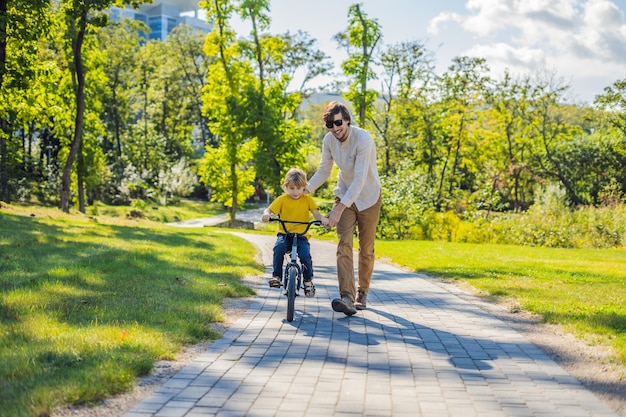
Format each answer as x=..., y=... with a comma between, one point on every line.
x=87, y=304
x=583, y=290
x=186, y=210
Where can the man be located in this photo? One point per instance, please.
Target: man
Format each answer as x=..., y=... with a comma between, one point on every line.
x=357, y=202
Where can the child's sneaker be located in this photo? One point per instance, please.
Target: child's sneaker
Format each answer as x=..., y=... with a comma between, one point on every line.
x=274, y=282
x=309, y=289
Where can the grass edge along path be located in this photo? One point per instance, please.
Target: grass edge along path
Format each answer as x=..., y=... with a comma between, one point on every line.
x=88, y=304
x=581, y=290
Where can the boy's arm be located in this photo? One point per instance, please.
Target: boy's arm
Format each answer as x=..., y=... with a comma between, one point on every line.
x=266, y=215
x=318, y=216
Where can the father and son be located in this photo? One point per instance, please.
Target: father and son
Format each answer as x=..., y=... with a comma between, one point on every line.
x=357, y=205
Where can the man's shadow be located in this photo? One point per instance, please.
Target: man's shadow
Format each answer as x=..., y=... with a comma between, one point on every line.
x=464, y=352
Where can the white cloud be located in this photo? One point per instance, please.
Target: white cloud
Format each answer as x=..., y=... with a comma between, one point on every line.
x=603, y=33
x=578, y=38
x=440, y=20
x=560, y=13
x=501, y=56
x=490, y=16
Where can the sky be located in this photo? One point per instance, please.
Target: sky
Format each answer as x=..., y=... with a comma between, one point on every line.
x=581, y=42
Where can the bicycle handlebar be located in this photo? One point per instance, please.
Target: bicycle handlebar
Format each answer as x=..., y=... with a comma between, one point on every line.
x=283, y=222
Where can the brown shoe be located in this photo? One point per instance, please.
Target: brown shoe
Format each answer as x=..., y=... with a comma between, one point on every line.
x=274, y=282
x=344, y=305
x=361, y=301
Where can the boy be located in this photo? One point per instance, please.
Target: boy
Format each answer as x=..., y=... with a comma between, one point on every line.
x=293, y=205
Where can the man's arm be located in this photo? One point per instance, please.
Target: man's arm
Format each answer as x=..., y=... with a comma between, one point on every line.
x=323, y=170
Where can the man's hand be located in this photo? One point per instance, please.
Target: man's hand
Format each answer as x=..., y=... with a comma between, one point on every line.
x=335, y=214
x=265, y=218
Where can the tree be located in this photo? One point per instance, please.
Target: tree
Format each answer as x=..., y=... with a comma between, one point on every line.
x=80, y=15
x=463, y=93
x=280, y=136
x=550, y=131
x=508, y=136
x=403, y=65
x=121, y=41
x=184, y=54
x=301, y=54
x=22, y=25
x=613, y=100
x=228, y=168
x=360, y=42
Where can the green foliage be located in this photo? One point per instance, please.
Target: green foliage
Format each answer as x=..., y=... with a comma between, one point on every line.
x=228, y=169
x=613, y=100
x=360, y=40
x=406, y=198
x=226, y=177
x=470, y=145
x=551, y=222
x=407, y=213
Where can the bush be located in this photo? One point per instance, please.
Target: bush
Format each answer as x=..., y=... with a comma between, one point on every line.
x=549, y=222
x=406, y=198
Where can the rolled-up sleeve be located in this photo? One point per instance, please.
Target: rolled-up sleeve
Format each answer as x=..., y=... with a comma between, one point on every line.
x=325, y=167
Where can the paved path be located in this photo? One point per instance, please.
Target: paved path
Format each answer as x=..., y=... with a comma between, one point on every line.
x=252, y=216
x=419, y=350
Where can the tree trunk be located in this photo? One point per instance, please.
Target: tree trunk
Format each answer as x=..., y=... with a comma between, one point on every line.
x=4, y=181
x=80, y=170
x=234, y=206
x=4, y=125
x=80, y=109
x=3, y=39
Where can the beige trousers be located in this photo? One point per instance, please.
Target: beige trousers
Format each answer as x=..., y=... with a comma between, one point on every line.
x=365, y=223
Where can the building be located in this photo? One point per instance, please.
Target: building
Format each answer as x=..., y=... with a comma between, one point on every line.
x=163, y=16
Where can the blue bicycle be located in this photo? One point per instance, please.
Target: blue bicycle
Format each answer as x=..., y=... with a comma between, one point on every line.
x=292, y=276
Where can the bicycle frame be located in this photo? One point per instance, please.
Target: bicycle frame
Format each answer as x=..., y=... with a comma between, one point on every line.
x=292, y=276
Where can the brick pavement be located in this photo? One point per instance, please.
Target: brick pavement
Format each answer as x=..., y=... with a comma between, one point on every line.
x=418, y=350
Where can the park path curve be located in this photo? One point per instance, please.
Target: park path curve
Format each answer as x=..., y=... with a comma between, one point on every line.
x=418, y=350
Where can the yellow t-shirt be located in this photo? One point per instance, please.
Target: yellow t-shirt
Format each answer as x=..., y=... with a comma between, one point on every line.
x=297, y=210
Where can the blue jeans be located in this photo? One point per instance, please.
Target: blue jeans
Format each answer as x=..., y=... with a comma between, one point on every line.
x=283, y=246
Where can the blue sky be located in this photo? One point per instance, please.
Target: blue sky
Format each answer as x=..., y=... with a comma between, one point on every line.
x=582, y=42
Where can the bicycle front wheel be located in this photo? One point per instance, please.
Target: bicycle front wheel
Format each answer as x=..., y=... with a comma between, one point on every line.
x=291, y=292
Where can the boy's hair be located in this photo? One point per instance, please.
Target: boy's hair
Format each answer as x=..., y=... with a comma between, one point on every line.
x=296, y=177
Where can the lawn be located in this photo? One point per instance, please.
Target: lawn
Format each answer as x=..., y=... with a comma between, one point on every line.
x=87, y=303
x=185, y=210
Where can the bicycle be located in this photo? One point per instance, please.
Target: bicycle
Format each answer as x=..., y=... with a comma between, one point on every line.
x=292, y=275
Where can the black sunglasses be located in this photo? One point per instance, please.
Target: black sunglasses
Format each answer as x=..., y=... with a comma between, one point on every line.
x=334, y=122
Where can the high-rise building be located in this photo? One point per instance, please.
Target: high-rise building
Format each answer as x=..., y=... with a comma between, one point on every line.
x=163, y=16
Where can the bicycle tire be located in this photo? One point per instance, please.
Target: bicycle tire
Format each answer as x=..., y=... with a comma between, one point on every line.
x=291, y=292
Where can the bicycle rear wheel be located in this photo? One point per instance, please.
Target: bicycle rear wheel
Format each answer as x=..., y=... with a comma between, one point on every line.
x=291, y=292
